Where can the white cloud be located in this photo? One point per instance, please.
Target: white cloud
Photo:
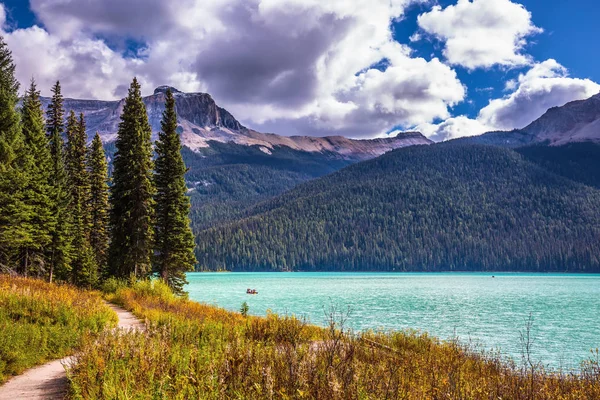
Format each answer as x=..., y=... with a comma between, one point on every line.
x=86, y=67
x=545, y=85
x=300, y=66
x=453, y=128
x=481, y=33
x=295, y=66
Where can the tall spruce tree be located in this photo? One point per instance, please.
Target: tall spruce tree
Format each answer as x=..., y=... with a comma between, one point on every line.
x=131, y=195
x=174, y=241
x=98, y=170
x=84, y=269
x=11, y=138
x=40, y=220
x=59, y=253
x=12, y=178
x=71, y=132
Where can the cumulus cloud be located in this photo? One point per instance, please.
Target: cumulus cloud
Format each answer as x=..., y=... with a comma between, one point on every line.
x=301, y=66
x=84, y=66
x=545, y=85
x=453, y=128
x=481, y=33
x=294, y=66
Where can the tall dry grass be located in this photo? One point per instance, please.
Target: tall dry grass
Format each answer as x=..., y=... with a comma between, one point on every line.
x=41, y=321
x=195, y=351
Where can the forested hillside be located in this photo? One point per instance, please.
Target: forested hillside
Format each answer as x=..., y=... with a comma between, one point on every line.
x=577, y=161
x=440, y=207
x=226, y=178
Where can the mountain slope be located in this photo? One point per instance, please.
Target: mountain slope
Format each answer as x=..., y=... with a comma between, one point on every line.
x=577, y=121
x=228, y=178
x=441, y=207
x=579, y=162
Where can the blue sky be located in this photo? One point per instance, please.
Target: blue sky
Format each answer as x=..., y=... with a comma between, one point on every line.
x=568, y=37
x=323, y=79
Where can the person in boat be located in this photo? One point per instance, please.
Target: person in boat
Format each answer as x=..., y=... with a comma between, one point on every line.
x=251, y=291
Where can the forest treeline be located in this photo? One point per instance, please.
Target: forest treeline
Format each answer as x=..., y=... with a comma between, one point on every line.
x=60, y=219
x=425, y=208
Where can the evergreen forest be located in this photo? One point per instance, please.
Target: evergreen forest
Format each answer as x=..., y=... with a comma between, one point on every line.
x=443, y=207
x=62, y=219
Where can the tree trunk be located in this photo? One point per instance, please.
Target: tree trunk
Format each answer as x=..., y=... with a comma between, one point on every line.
x=26, y=262
x=51, y=266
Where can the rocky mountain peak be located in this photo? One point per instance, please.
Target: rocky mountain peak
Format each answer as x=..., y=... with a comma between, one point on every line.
x=164, y=88
x=573, y=122
x=576, y=121
x=201, y=121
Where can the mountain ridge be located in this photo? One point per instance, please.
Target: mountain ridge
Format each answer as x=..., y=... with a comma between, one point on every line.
x=201, y=120
x=575, y=121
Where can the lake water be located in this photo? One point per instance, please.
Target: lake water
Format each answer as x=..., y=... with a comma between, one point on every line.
x=473, y=306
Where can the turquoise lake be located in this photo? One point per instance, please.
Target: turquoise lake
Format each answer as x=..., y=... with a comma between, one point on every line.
x=476, y=307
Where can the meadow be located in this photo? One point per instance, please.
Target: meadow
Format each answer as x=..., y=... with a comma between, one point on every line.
x=192, y=350
x=40, y=321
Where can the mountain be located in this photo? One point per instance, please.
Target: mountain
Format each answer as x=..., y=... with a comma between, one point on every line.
x=577, y=121
x=202, y=121
x=230, y=166
x=441, y=207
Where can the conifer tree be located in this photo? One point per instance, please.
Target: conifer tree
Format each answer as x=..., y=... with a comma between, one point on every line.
x=83, y=174
x=12, y=234
x=98, y=170
x=39, y=221
x=174, y=241
x=72, y=129
x=84, y=269
x=131, y=195
x=60, y=248
x=11, y=138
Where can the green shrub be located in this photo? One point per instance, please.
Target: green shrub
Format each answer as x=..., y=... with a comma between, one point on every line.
x=112, y=285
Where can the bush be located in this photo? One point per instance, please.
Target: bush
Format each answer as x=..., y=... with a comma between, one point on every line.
x=244, y=309
x=112, y=285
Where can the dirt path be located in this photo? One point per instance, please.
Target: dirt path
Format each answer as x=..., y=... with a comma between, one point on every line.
x=49, y=381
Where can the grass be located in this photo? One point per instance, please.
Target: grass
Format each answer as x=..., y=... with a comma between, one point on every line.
x=41, y=321
x=191, y=350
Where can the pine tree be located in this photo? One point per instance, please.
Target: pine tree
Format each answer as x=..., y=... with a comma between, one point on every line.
x=174, y=242
x=11, y=138
x=71, y=132
x=40, y=220
x=12, y=178
x=60, y=248
x=131, y=196
x=98, y=170
x=84, y=269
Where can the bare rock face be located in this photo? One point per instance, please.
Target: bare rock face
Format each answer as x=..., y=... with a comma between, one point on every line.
x=198, y=108
x=201, y=120
x=577, y=121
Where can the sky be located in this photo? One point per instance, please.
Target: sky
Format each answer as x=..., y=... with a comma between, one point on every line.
x=357, y=68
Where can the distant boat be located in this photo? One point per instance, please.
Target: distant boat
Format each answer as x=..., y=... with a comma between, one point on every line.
x=251, y=291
